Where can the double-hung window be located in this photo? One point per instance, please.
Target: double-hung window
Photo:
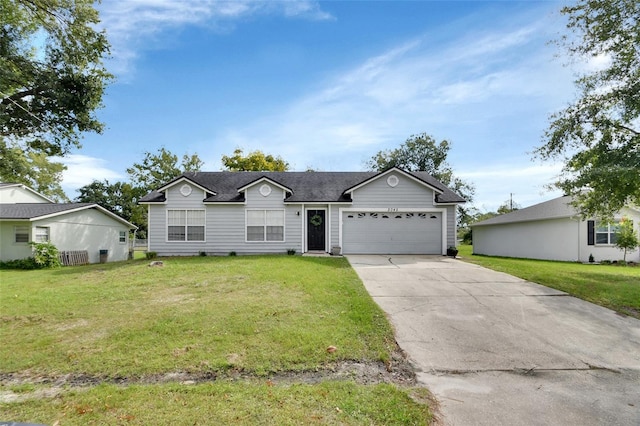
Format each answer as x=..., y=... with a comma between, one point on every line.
x=607, y=233
x=185, y=225
x=265, y=225
x=42, y=234
x=21, y=234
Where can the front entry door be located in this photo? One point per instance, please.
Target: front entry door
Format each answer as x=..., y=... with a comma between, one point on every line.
x=315, y=230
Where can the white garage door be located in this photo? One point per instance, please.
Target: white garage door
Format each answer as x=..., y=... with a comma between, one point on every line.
x=391, y=233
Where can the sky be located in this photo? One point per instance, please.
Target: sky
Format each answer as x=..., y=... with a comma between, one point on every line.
x=328, y=84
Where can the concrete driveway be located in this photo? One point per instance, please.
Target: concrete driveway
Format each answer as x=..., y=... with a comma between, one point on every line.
x=497, y=350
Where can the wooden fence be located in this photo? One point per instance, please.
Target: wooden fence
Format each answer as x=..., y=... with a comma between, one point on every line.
x=74, y=257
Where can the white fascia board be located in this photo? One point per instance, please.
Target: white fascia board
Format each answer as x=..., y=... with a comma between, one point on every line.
x=19, y=185
x=189, y=181
x=265, y=179
x=392, y=170
x=91, y=206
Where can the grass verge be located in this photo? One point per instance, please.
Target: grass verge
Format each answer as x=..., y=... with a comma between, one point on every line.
x=614, y=287
x=246, y=403
x=81, y=345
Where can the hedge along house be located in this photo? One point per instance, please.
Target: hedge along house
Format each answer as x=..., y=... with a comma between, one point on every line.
x=552, y=230
x=390, y=212
x=26, y=216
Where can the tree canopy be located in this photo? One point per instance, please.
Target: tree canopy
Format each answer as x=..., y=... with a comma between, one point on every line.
x=156, y=169
x=598, y=135
x=122, y=198
x=51, y=73
x=33, y=169
x=254, y=161
x=422, y=153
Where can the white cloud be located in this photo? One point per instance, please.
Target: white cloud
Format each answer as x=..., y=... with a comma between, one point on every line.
x=82, y=170
x=527, y=183
x=131, y=24
x=407, y=90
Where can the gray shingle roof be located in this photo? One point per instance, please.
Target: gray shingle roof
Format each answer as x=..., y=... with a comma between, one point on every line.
x=306, y=186
x=552, y=209
x=25, y=211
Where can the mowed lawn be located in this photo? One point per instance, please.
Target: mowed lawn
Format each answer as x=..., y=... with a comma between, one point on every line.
x=614, y=287
x=237, y=320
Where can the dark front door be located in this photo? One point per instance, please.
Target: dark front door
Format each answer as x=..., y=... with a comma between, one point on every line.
x=315, y=230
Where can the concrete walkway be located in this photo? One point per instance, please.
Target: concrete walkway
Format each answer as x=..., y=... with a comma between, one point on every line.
x=497, y=350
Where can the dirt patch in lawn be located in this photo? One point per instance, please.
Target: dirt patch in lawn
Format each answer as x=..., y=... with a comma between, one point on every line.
x=398, y=371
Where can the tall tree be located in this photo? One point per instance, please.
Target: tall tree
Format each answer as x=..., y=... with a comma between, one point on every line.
x=33, y=169
x=422, y=153
x=156, y=169
x=52, y=77
x=120, y=198
x=254, y=161
x=599, y=131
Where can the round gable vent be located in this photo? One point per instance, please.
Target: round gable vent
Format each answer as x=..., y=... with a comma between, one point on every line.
x=185, y=190
x=393, y=181
x=265, y=190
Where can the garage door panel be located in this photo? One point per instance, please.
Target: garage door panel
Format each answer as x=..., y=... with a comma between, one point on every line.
x=392, y=233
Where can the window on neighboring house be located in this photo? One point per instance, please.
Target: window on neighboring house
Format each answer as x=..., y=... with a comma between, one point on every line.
x=21, y=234
x=185, y=225
x=42, y=234
x=123, y=237
x=265, y=225
x=607, y=233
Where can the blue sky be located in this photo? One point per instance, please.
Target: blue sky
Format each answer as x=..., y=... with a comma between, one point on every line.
x=326, y=85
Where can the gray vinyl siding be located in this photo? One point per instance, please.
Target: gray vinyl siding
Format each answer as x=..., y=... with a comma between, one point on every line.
x=335, y=226
x=224, y=226
x=255, y=200
x=452, y=226
x=407, y=194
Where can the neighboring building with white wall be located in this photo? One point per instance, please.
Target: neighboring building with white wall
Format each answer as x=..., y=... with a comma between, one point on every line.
x=552, y=230
x=27, y=216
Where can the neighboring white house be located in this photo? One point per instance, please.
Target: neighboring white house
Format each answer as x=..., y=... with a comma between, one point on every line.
x=26, y=216
x=552, y=230
x=390, y=212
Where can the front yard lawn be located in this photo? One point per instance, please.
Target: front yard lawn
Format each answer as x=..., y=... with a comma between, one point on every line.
x=614, y=287
x=224, y=325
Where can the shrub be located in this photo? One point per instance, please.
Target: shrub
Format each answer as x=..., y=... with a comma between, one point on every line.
x=291, y=251
x=232, y=253
x=28, y=263
x=202, y=253
x=151, y=254
x=45, y=255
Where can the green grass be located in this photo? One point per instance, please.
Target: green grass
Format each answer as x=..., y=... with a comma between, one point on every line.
x=247, y=403
x=614, y=287
x=213, y=317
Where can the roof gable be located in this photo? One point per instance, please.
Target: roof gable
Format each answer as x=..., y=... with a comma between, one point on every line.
x=262, y=180
x=40, y=211
x=184, y=178
x=553, y=209
x=6, y=196
x=388, y=172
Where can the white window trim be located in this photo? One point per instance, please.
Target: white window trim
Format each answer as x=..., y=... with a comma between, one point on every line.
x=185, y=241
x=37, y=234
x=126, y=237
x=284, y=227
x=596, y=225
